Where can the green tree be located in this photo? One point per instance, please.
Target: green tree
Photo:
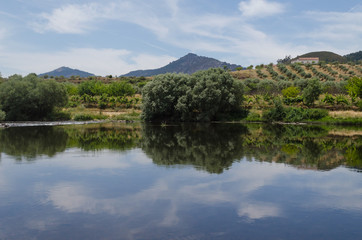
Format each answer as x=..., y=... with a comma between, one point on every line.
x=312, y=92
x=92, y=88
x=204, y=96
x=354, y=87
x=31, y=98
x=117, y=89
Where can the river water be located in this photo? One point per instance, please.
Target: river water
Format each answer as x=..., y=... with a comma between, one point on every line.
x=191, y=181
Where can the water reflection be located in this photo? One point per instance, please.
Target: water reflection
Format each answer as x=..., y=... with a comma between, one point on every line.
x=208, y=147
x=28, y=143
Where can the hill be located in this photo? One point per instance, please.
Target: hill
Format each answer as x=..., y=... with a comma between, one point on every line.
x=188, y=64
x=66, y=72
x=290, y=72
x=325, y=56
x=354, y=57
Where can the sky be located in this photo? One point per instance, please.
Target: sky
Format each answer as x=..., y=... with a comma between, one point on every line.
x=114, y=37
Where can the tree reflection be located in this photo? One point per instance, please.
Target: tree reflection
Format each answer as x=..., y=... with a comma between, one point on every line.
x=210, y=147
x=30, y=142
x=98, y=137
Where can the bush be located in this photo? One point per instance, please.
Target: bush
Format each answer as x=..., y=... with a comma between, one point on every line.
x=329, y=99
x=83, y=117
x=291, y=92
x=277, y=113
x=341, y=100
x=315, y=114
x=294, y=114
x=203, y=96
x=31, y=98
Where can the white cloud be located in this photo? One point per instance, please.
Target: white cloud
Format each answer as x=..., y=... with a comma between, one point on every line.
x=68, y=19
x=341, y=31
x=258, y=211
x=260, y=8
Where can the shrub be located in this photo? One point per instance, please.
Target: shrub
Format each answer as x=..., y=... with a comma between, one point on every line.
x=329, y=99
x=291, y=92
x=83, y=117
x=341, y=100
x=31, y=98
x=294, y=114
x=277, y=113
x=315, y=114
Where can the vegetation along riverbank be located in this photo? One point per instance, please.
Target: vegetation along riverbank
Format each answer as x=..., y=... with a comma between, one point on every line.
x=324, y=93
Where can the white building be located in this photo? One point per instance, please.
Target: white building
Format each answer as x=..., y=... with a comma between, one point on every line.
x=312, y=60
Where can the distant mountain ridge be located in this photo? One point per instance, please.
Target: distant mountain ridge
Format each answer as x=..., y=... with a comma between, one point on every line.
x=66, y=72
x=354, y=57
x=188, y=64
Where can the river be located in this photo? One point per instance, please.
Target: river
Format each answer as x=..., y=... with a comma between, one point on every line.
x=180, y=181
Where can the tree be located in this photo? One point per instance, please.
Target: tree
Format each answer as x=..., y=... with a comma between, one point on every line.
x=31, y=98
x=204, y=96
x=285, y=60
x=354, y=87
x=312, y=92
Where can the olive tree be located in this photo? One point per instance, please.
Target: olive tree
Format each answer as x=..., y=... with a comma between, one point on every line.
x=312, y=92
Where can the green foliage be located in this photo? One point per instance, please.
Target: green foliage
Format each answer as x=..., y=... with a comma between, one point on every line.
x=315, y=114
x=312, y=92
x=83, y=117
x=120, y=89
x=292, y=114
x=2, y=115
x=354, y=87
x=203, y=96
x=72, y=89
x=31, y=98
x=277, y=113
x=291, y=92
x=341, y=100
x=91, y=88
x=329, y=99
x=291, y=95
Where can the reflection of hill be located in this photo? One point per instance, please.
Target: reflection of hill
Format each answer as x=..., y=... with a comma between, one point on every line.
x=209, y=147
x=30, y=142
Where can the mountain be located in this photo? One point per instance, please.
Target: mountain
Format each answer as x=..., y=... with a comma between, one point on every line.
x=325, y=56
x=354, y=57
x=188, y=64
x=66, y=72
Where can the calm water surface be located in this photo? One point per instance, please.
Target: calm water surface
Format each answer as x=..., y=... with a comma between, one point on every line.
x=217, y=181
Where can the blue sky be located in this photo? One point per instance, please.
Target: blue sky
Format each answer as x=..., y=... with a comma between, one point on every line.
x=117, y=36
